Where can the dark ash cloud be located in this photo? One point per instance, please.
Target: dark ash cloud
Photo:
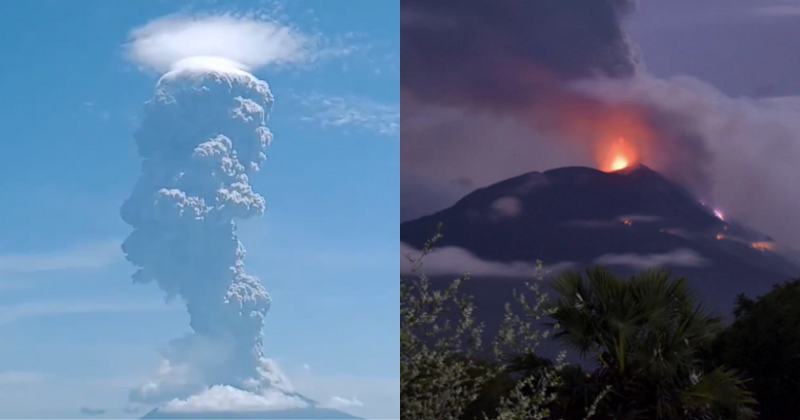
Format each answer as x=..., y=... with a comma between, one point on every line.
x=499, y=53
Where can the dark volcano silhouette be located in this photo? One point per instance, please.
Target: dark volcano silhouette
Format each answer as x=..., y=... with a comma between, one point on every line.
x=586, y=217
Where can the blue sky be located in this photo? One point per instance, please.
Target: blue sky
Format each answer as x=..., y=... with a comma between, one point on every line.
x=76, y=332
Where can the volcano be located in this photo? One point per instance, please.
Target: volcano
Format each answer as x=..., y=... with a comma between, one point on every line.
x=627, y=220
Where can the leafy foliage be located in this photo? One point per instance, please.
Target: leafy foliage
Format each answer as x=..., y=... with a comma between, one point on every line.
x=648, y=336
x=435, y=382
x=764, y=341
x=442, y=376
x=645, y=335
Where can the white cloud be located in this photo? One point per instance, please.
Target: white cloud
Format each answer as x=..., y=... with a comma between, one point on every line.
x=380, y=396
x=678, y=257
x=221, y=398
x=252, y=41
x=452, y=260
x=306, y=366
x=343, y=403
x=170, y=382
x=20, y=377
x=355, y=112
x=91, y=255
x=181, y=373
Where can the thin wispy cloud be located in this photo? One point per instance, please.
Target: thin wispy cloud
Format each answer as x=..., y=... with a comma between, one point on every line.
x=452, y=260
x=89, y=411
x=14, y=313
x=20, y=377
x=352, y=112
x=92, y=255
x=92, y=108
x=678, y=257
x=344, y=403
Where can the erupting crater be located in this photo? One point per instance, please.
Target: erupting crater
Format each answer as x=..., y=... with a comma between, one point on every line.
x=617, y=155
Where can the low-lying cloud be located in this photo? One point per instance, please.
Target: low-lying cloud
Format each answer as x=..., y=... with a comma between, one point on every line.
x=678, y=257
x=451, y=260
x=343, y=403
x=224, y=398
x=506, y=207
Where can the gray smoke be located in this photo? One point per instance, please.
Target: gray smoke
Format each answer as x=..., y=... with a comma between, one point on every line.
x=517, y=71
x=204, y=133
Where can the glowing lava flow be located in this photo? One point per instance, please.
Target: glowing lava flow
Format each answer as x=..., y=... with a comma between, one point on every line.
x=763, y=246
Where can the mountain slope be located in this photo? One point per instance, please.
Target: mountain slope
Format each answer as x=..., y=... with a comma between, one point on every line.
x=627, y=220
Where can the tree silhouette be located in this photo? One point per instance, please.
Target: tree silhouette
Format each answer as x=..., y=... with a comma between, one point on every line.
x=645, y=335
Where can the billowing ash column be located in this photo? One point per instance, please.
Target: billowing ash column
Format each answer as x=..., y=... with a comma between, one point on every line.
x=203, y=134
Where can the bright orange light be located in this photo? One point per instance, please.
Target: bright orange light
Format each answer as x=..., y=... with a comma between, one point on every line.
x=616, y=156
x=620, y=162
x=762, y=246
x=720, y=236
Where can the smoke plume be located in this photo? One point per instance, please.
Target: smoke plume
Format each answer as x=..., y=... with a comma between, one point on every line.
x=491, y=90
x=507, y=69
x=203, y=134
x=530, y=60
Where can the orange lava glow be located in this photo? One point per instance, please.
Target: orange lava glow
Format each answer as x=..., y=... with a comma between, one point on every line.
x=617, y=155
x=619, y=162
x=762, y=246
x=615, y=135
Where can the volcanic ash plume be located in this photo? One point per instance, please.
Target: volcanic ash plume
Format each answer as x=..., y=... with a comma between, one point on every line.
x=203, y=134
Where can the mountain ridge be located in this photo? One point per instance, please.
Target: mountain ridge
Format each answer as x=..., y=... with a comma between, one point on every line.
x=586, y=217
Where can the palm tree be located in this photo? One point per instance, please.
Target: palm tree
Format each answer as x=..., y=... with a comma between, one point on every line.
x=645, y=335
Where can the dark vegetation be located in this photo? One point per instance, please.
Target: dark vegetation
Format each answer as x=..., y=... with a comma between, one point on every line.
x=654, y=351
